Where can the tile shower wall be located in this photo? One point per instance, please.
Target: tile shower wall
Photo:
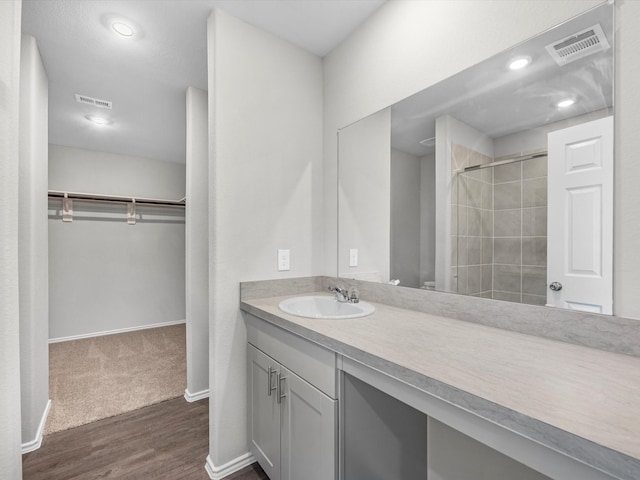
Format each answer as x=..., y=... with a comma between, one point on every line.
x=520, y=231
x=499, y=228
x=472, y=224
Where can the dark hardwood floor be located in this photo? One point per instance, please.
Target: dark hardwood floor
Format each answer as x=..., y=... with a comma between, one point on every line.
x=164, y=441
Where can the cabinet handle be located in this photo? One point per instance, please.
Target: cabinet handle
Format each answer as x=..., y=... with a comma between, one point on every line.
x=279, y=381
x=270, y=389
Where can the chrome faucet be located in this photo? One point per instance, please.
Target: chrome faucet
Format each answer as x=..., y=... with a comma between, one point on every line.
x=342, y=295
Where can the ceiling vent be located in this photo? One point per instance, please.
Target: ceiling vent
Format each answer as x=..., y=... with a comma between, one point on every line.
x=579, y=45
x=94, y=101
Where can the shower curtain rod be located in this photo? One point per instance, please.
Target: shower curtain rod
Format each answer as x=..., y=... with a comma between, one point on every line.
x=98, y=198
x=507, y=161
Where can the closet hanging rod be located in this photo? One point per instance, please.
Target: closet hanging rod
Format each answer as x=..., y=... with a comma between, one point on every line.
x=504, y=162
x=94, y=197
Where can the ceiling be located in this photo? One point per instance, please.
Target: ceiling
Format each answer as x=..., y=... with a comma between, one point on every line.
x=145, y=77
x=497, y=101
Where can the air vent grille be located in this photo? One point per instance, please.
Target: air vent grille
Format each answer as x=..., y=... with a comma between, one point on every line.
x=586, y=42
x=94, y=101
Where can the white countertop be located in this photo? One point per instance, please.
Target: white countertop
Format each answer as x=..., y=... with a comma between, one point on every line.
x=590, y=393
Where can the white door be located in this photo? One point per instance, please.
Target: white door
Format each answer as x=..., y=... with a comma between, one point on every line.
x=580, y=217
x=264, y=411
x=308, y=431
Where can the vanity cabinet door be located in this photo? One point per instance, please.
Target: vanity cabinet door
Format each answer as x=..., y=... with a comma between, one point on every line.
x=264, y=411
x=309, y=436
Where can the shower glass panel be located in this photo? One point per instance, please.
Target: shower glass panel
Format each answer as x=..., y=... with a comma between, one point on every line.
x=499, y=226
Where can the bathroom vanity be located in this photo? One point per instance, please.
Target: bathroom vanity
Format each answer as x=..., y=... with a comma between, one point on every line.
x=408, y=394
x=293, y=406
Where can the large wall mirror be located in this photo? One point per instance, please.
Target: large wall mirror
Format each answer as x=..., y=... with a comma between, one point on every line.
x=497, y=182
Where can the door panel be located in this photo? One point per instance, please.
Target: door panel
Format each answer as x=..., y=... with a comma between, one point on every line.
x=580, y=217
x=264, y=412
x=584, y=239
x=308, y=431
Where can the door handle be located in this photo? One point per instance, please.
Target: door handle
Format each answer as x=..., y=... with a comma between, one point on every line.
x=279, y=393
x=270, y=389
x=555, y=286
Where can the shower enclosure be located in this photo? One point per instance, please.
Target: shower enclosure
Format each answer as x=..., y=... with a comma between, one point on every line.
x=499, y=226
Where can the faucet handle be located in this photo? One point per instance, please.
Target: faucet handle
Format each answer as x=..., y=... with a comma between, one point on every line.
x=354, y=296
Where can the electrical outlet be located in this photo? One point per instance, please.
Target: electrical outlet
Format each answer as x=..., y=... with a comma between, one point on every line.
x=353, y=257
x=283, y=260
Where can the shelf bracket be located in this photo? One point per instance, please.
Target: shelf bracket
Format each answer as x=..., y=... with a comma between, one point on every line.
x=67, y=209
x=131, y=212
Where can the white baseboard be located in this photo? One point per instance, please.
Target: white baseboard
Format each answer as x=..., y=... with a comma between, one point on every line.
x=194, y=397
x=218, y=473
x=37, y=442
x=112, y=332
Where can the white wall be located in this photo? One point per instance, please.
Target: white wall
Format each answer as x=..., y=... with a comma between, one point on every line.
x=197, y=243
x=626, y=260
x=104, y=274
x=405, y=218
x=265, y=154
x=450, y=131
x=427, y=218
x=33, y=236
x=80, y=170
x=10, y=435
x=364, y=193
x=536, y=138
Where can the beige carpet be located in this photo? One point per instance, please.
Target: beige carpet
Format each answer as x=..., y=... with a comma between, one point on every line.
x=99, y=377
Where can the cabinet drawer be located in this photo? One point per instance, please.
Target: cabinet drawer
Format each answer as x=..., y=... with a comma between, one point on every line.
x=315, y=364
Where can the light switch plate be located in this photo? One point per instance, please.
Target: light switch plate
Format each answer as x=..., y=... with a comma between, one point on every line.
x=353, y=257
x=283, y=260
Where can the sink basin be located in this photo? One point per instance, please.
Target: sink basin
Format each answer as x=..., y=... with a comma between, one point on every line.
x=319, y=306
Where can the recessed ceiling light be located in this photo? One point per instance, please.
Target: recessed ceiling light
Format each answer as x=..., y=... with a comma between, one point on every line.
x=121, y=26
x=519, y=63
x=123, y=29
x=98, y=120
x=428, y=142
x=567, y=102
